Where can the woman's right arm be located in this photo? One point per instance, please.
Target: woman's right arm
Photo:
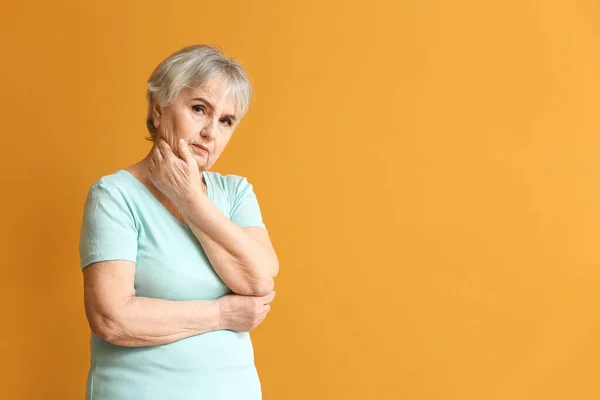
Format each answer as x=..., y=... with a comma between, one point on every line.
x=120, y=317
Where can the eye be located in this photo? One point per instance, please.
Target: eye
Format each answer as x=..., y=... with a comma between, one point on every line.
x=197, y=108
x=227, y=120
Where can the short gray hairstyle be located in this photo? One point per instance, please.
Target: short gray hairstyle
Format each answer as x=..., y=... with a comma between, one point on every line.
x=191, y=67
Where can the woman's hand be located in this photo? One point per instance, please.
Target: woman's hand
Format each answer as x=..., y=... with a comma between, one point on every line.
x=178, y=178
x=243, y=313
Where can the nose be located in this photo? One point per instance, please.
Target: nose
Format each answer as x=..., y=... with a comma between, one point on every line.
x=209, y=129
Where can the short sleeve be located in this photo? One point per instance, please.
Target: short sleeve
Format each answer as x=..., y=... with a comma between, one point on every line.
x=108, y=230
x=245, y=210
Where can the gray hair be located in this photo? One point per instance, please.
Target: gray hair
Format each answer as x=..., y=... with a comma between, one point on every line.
x=191, y=67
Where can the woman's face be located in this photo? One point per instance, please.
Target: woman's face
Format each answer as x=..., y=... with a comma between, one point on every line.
x=204, y=115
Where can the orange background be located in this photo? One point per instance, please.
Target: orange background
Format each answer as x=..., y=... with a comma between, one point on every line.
x=428, y=171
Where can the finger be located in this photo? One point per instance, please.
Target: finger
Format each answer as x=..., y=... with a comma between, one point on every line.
x=151, y=163
x=268, y=298
x=157, y=154
x=167, y=151
x=184, y=150
x=163, y=148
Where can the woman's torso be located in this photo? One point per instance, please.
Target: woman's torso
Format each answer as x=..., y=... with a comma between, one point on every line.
x=172, y=265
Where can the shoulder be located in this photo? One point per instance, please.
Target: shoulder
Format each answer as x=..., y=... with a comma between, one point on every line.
x=116, y=185
x=117, y=180
x=240, y=201
x=224, y=180
x=230, y=183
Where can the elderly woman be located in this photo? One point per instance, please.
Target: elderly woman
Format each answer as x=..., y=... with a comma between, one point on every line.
x=178, y=266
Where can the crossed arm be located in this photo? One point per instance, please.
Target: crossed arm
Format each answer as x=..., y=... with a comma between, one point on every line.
x=120, y=317
x=244, y=258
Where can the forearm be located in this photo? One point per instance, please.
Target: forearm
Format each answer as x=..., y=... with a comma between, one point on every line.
x=144, y=321
x=242, y=263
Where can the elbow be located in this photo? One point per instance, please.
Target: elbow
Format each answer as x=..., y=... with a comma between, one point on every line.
x=275, y=268
x=255, y=287
x=108, y=328
x=257, y=284
x=264, y=286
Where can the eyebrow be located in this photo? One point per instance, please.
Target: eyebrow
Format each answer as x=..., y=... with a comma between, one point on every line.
x=212, y=107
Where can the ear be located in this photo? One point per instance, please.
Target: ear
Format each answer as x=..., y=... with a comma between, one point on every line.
x=156, y=113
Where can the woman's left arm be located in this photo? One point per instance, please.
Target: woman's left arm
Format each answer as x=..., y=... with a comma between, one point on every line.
x=243, y=258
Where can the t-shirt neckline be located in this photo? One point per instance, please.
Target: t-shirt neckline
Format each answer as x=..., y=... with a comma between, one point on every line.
x=149, y=192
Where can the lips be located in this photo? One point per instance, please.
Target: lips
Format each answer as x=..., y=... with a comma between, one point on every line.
x=200, y=147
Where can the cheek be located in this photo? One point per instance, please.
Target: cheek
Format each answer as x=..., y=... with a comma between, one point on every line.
x=221, y=143
x=216, y=152
x=181, y=117
x=186, y=127
x=172, y=125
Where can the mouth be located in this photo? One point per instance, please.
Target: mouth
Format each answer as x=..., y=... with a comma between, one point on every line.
x=200, y=148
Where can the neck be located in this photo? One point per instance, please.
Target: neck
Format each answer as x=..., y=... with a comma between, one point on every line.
x=140, y=170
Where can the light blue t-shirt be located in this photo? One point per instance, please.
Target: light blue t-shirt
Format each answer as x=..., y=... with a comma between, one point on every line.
x=123, y=220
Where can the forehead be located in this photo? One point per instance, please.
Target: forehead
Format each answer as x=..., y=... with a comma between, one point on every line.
x=216, y=92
